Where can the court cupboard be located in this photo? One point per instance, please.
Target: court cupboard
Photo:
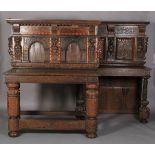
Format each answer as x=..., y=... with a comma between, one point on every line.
x=105, y=59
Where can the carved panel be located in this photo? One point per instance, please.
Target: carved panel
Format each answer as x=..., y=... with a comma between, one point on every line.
x=141, y=47
x=66, y=41
x=144, y=84
x=36, y=52
x=101, y=49
x=124, y=48
x=73, y=53
x=28, y=41
x=91, y=49
x=17, y=48
x=126, y=30
x=10, y=50
x=83, y=48
x=55, y=49
x=111, y=49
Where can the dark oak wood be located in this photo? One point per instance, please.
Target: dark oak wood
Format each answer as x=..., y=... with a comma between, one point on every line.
x=91, y=109
x=52, y=124
x=51, y=113
x=80, y=102
x=105, y=59
x=13, y=108
x=118, y=95
x=144, y=110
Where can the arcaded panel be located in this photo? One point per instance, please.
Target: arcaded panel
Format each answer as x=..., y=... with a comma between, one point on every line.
x=28, y=41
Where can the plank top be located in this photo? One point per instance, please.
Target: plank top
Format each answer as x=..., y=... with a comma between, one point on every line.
x=54, y=21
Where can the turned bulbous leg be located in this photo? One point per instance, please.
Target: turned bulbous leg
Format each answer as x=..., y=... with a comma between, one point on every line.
x=13, y=103
x=91, y=110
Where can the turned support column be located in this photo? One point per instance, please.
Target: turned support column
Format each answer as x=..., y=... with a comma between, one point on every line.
x=91, y=109
x=144, y=111
x=13, y=103
x=80, y=102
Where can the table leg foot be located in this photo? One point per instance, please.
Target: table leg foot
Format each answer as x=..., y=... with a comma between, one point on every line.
x=13, y=134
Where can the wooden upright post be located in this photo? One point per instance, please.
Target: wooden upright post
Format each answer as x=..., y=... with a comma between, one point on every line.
x=144, y=111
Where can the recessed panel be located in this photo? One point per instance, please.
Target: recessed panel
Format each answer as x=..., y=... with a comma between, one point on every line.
x=73, y=53
x=36, y=53
x=124, y=49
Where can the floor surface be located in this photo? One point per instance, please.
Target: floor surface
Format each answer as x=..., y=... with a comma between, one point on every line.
x=112, y=129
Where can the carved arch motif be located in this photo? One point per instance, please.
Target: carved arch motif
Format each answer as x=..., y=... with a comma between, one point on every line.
x=28, y=41
x=73, y=53
x=79, y=41
x=36, y=52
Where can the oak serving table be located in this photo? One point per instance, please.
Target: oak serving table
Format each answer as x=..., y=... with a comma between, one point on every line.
x=104, y=59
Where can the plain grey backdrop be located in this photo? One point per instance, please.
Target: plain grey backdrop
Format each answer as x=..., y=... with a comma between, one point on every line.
x=112, y=128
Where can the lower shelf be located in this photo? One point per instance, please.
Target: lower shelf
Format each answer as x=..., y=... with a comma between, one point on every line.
x=52, y=124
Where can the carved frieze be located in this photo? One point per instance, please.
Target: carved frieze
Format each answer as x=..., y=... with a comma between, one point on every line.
x=126, y=30
x=107, y=43
x=74, y=31
x=38, y=30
